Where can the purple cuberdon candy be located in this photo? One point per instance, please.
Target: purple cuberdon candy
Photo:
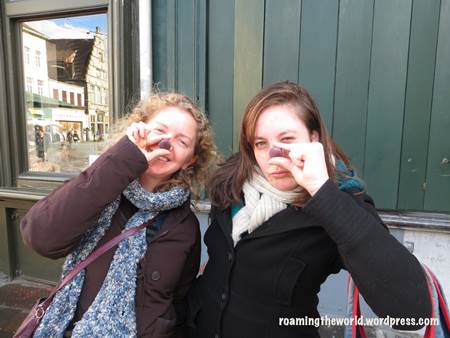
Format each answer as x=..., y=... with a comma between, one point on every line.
x=276, y=152
x=165, y=144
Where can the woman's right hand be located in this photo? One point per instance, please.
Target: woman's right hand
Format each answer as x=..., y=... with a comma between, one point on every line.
x=147, y=140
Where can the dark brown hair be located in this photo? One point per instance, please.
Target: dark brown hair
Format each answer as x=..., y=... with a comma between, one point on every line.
x=225, y=185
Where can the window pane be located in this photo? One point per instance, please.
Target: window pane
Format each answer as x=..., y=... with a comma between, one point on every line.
x=65, y=64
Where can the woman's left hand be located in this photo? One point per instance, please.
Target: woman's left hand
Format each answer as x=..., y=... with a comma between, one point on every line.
x=306, y=162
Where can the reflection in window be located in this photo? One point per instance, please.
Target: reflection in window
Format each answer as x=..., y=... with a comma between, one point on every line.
x=67, y=117
x=29, y=85
x=41, y=87
x=27, y=55
x=38, y=59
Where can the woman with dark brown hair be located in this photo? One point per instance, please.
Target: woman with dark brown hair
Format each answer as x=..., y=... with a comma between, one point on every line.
x=139, y=287
x=287, y=211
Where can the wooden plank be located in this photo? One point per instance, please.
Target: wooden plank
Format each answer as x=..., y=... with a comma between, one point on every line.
x=437, y=196
x=352, y=78
x=419, y=93
x=200, y=56
x=28, y=262
x=159, y=43
x=185, y=47
x=318, y=53
x=386, y=99
x=170, y=45
x=220, y=73
x=248, y=53
x=281, y=40
x=6, y=261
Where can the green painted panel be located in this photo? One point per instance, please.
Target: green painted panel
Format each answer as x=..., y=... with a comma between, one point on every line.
x=318, y=53
x=170, y=21
x=179, y=47
x=201, y=57
x=352, y=78
x=386, y=99
x=31, y=264
x=185, y=47
x=163, y=44
x=220, y=73
x=248, y=52
x=437, y=196
x=419, y=93
x=281, y=40
x=6, y=265
x=159, y=55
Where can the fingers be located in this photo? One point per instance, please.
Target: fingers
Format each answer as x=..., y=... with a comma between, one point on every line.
x=144, y=135
x=130, y=135
x=137, y=131
x=156, y=153
x=287, y=146
x=155, y=138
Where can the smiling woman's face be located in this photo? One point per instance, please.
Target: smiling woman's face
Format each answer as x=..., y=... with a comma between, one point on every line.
x=278, y=124
x=181, y=129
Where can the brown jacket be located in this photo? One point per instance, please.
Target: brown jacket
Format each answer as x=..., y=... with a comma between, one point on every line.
x=55, y=224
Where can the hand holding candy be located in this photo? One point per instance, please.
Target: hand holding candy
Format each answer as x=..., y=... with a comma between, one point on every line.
x=146, y=140
x=305, y=161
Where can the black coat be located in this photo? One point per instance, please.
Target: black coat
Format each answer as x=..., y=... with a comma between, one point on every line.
x=277, y=270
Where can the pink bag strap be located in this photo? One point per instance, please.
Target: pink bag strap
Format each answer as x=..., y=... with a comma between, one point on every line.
x=92, y=257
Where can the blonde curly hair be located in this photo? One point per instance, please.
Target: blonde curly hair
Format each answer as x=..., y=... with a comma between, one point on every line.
x=205, y=151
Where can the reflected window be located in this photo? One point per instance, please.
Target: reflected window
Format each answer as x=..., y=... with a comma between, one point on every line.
x=40, y=87
x=65, y=75
x=29, y=85
x=38, y=59
x=27, y=55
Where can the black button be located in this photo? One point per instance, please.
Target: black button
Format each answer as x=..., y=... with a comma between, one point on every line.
x=156, y=275
x=230, y=256
x=216, y=335
x=224, y=296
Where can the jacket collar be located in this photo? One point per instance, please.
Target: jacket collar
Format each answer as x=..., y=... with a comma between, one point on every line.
x=286, y=220
x=176, y=216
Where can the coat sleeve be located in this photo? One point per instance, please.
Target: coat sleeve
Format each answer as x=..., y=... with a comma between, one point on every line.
x=56, y=223
x=389, y=277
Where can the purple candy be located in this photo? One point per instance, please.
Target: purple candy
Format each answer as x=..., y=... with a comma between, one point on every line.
x=276, y=152
x=165, y=144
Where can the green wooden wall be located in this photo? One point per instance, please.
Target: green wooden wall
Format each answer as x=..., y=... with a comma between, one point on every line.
x=379, y=70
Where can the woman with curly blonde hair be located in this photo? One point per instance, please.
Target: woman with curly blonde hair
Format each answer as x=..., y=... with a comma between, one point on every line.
x=146, y=176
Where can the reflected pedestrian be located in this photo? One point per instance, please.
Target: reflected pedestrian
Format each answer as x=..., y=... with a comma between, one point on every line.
x=76, y=137
x=39, y=141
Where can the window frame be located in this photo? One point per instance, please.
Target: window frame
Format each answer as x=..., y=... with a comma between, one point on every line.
x=13, y=151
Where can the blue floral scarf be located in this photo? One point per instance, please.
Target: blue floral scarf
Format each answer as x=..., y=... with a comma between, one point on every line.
x=112, y=313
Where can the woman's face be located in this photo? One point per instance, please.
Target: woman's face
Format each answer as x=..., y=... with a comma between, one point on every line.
x=181, y=129
x=279, y=124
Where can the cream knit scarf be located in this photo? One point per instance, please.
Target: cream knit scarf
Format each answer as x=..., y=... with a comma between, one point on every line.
x=262, y=201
